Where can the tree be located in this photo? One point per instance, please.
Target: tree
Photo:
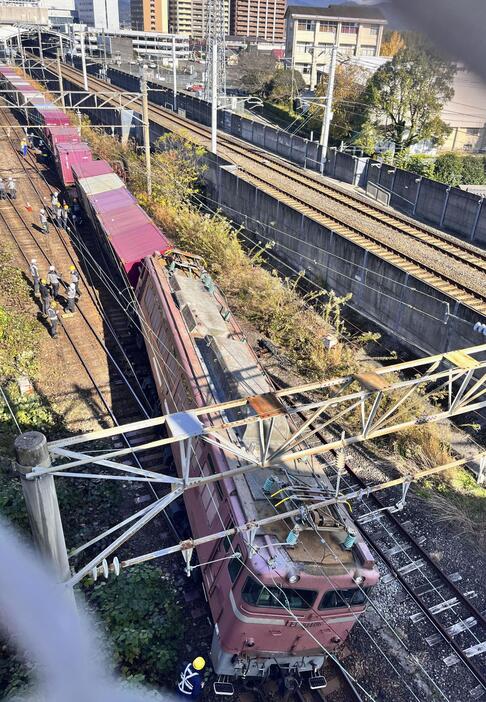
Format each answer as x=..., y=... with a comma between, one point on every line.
x=449, y=169
x=283, y=84
x=392, y=43
x=473, y=172
x=257, y=68
x=406, y=95
x=349, y=92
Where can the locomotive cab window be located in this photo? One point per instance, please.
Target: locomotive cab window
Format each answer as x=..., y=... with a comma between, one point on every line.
x=343, y=598
x=234, y=566
x=263, y=596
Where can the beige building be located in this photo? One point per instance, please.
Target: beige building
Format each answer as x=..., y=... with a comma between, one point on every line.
x=189, y=17
x=311, y=32
x=150, y=15
x=466, y=114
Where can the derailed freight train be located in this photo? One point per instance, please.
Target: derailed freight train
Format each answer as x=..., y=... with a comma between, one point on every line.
x=295, y=593
x=298, y=590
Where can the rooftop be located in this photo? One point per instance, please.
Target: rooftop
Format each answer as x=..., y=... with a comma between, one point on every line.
x=337, y=12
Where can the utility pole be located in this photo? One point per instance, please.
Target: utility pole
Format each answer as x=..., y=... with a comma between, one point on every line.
x=41, y=52
x=174, y=72
x=327, y=114
x=146, y=130
x=41, y=501
x=59, y=77
x=83, y=60
x=214, y=99
x=21, y=49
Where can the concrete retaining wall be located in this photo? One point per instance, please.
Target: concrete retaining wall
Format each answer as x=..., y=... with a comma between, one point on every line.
x=452, y=209
x=424, y=319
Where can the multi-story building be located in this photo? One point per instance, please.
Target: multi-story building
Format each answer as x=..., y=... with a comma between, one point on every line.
x=102, y=14
x=262, y=19
x=311, y=32
x=189, y=17
x=150, y=15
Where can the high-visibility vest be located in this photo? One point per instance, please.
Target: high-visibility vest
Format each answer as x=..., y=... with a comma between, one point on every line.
x=185, y=685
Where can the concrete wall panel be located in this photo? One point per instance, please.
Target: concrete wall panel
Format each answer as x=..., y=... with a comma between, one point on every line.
x=461, y=212
x=480, y=231
x=431, y=201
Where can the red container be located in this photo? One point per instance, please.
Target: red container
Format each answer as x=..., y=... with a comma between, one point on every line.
x=67, y=155
x=53, y=118
x=132, y=247
x=91, y=169
x=125, y=219
x=112, y=201
x=62, y=135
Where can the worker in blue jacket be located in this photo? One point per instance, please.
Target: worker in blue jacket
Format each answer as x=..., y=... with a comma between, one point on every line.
x=190, y=683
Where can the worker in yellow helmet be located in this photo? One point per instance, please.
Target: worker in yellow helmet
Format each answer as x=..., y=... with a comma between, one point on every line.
x=190, y=683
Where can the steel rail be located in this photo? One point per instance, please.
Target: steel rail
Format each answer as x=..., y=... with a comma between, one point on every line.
x=468, y=662
x=91, y=295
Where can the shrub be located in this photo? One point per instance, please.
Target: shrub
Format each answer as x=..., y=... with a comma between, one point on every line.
x=449, y=169
x=143, y=620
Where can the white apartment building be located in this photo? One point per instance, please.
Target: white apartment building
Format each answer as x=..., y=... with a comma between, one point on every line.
x=311, y=32
x=101, y=14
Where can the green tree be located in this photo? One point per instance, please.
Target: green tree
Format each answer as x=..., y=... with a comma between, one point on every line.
x=417, y=163
x=349, y=90
x=406, y=95
x=449, y=169
x=473, y=172
x=283, y=84
x=256, y=69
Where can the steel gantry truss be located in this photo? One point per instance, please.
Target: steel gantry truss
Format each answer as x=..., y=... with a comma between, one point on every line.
x=376, y=397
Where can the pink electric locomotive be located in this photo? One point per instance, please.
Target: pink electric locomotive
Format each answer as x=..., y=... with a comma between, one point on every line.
x=296, y=591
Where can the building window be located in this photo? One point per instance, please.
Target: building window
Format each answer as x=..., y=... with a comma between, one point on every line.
x=349, y=28
x=473, y=131
x=306, y=25
x=328, y=27
x=347, y=50
x=306, y=68
x=371, y=29
x=325, y=47
x=367, y=51
x=258, y=595
x=304, y=48
x=343, y=598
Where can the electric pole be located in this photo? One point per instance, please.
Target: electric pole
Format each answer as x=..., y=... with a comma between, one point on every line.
x=146, y=131
x=41, y=501
x=174, y=72
x=327, y=114
x=41, y=52
x=215, y=34
x=214, y=99
x=21, y=49
x=83, y=60
x=59, y=77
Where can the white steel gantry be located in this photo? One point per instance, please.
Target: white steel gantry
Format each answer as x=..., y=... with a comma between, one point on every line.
x=453, y=382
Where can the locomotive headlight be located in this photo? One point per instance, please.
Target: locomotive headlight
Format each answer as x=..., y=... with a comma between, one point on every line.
x=359, y=579
x=293, y=577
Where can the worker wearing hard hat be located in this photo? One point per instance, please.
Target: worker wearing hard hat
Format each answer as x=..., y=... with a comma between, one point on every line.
x=190, y=683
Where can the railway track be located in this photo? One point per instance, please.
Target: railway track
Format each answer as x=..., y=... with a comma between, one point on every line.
x=112, y=372
x=452, y=622
x=454, y=268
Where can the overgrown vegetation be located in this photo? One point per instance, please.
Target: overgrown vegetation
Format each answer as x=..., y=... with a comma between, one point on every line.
x=450, y=168
x=144, y=622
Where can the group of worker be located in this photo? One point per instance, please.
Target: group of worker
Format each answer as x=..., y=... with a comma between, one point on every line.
x=59, y=213
x=48, y=290
x=8, y=190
